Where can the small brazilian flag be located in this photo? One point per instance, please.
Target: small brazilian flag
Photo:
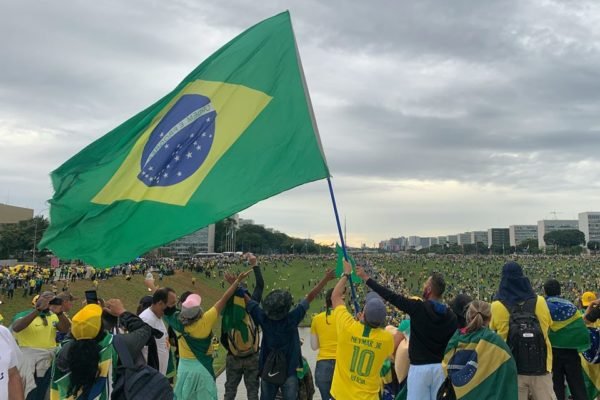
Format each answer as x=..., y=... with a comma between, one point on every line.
x=339, y=268
x=481, y=366
x=237, y=130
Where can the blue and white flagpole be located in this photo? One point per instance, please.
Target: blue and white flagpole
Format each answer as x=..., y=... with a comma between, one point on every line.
x=339, y=226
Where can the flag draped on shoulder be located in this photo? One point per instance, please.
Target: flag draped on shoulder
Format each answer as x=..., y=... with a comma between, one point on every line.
x=590, y=362
x=568, y=330
x=480, y=366
x=235, y=131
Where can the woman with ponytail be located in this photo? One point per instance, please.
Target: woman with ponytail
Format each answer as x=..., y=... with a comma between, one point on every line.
x=477, y=362
x=86, y=364
x=324, y=338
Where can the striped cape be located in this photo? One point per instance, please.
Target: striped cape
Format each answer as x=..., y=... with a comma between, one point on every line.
x=102, y=387
x=590, y=362
x=480, y=366
x=568, y=330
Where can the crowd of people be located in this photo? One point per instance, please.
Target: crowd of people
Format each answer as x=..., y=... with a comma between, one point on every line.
x=518, y=343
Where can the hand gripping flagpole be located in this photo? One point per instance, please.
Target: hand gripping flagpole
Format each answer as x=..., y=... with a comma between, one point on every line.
x=316, y=129
x=339, y=226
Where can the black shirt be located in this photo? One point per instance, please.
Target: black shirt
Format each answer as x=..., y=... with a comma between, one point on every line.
x=593, y=315
x=431, y=325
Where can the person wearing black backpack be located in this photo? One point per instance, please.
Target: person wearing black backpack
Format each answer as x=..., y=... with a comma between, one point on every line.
x=280, y=354
x=522, y=318
x=242, y=355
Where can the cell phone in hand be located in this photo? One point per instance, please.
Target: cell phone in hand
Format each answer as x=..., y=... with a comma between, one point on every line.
x=91, y=297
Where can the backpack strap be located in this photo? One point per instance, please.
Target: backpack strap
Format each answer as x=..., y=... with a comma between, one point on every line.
x=528, y=306
x=122, y=352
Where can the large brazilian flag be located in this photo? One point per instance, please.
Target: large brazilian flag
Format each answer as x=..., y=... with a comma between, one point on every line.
x=235, y=131
x=480, y=366
x=568, y=330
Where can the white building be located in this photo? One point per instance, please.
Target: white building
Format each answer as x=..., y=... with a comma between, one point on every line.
x=452, y=239
x=550, y=225
x=202, y=241
x=464, y=238
x=589, y=224
x=442, y=240
x=519, y=233
x=479, y=237
x=414, y=242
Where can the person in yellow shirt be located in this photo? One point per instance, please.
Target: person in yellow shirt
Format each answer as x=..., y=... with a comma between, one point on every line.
x=195, y=374
x=323, y=337
x=515, y=292
x=35, y=331
x=589, y=303
x=363, y=346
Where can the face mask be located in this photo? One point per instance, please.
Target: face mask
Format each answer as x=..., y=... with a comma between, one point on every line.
x=170, y=310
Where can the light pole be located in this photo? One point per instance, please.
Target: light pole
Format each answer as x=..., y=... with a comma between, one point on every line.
x=35, y=221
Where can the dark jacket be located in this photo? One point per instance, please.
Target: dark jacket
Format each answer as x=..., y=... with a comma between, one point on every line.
x=432, y=324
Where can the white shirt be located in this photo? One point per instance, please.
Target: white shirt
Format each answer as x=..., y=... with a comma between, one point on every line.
x=162, y=344
x=10, y=355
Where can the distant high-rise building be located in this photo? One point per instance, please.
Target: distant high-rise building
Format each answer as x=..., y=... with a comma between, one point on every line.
x=452, y=239
x=414, y=241
x=202, y=241
x=243, y=221
x=425, y=243
x=550, y=225
x=520, y=233
x=442, y=240
x=479, y=237
x=498, y=237
x=589, y=224
x=464, y=238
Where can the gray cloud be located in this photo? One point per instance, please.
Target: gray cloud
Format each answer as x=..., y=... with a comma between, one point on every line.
x=500, y=96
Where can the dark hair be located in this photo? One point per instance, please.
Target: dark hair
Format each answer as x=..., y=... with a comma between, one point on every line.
x=438, y=284
x=459, y=306
x=184, y=296
x=161, y=294
x=83, y=359
x=328, y=304
x=552, y=287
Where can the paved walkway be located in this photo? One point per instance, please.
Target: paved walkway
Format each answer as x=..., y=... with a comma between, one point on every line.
x=307, y=352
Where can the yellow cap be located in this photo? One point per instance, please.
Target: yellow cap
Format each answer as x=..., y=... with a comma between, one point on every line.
x=587, y=298
x=86, y=324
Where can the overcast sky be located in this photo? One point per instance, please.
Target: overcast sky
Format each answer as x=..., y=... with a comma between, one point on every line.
x=436, y=117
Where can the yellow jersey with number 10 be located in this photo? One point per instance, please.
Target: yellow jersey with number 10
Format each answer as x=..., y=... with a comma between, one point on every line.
x=361, y=352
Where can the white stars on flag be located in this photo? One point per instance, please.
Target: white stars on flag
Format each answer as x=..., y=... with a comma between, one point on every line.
x=189, y=155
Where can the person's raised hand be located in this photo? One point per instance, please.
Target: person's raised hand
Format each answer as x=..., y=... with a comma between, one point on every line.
x=241, y=277
x=252, y=260
x=329, y=275
x=347, y=267
x=229, y=277
x=42, y=303
x=362, y=274
x=114, y=307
